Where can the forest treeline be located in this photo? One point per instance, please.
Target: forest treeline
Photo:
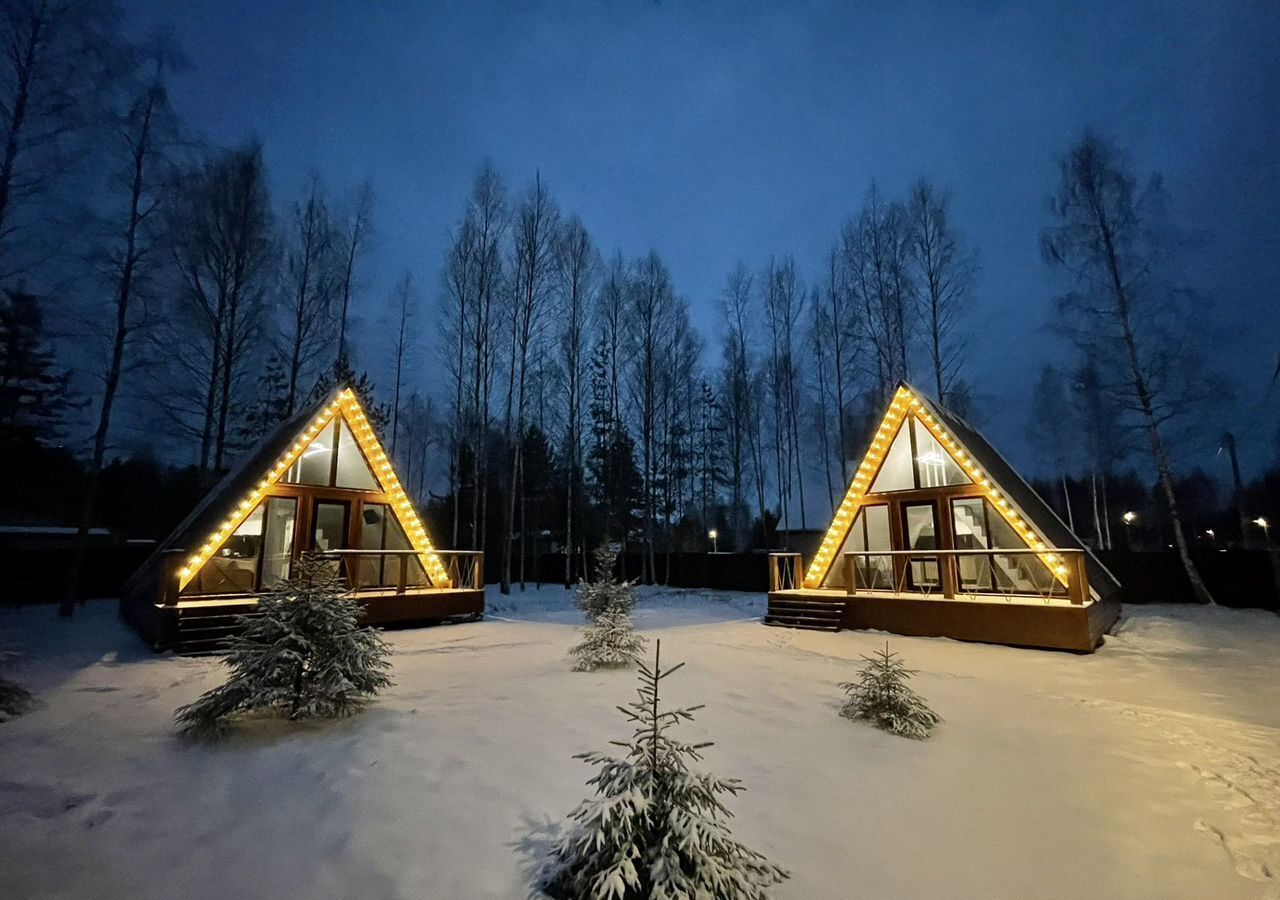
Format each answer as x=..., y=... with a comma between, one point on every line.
x=539, y=392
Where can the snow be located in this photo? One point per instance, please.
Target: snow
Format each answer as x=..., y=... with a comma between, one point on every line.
x=1150, y=769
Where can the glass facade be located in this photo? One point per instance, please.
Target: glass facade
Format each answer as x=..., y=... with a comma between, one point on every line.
x=259, y=555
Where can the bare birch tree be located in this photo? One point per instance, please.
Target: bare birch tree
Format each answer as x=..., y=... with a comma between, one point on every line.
x=651, y=300
x=145, y=132
x=875, y=247
x=1123, y=312
x=404, y=304
x=353, y=236
x=224, y=257
x=532, y=278
x=59, y=65
x=741, y=408
x=578, y=266
x=311, y=281
x=945, y=274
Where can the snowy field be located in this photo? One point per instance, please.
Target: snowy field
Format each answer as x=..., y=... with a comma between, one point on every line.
x=1150, y=769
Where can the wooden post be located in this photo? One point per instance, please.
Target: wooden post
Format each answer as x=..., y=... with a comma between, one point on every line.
x=404, y=573
x=797, y=572
x=850, y=575
x=478, y=575
x=169, y=577
x=1079, y=575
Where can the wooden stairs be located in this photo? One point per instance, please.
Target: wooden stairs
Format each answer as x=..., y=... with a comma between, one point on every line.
x=205, y=632
x=813, y=613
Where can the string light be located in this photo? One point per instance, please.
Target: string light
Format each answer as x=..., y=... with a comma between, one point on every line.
x=346, y=405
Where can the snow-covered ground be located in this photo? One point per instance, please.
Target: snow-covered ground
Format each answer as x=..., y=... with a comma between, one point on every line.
x=1150, y=769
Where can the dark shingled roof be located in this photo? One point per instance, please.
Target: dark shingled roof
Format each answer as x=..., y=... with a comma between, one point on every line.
x=219, y=503
x=1022, y=494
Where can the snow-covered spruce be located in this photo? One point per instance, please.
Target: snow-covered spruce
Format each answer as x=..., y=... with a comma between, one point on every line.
x=881, y=696
x=605, y=592
x=656, y=829
x=304, y=655
x=610, y=642
x=609, y=639
x=14, y=698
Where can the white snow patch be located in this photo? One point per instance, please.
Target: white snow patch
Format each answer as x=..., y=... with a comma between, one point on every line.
x=1150, y=769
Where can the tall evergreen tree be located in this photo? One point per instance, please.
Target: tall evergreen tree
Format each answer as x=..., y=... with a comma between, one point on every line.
x=34, y=392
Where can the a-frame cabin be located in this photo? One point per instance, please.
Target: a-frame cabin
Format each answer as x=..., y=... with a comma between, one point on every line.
x=321, y=484
x=939, y=536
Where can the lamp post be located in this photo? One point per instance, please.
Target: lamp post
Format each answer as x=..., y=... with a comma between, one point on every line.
x=713, y=534
x=1129, y=518
x=1262, y=523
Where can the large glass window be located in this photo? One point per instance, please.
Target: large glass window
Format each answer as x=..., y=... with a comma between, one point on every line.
x=277, y=544
x=935, y=467
x=872, y=533
x=353, y=468
x=329, y=530
x=315, y=464
x=979, y=526
x=922, y=534
x=381, y=531
x=896, y=473
x=916, y=460
x=233, y=566
x=262, y=544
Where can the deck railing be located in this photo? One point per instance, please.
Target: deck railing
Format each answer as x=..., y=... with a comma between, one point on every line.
x=464, y=568
x=785, y=572
x=969, y=573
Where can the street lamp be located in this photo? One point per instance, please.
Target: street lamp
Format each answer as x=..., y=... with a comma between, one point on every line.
x=1213, y=537
x=1129, y=518
x=1262, y=523
x=713, y=534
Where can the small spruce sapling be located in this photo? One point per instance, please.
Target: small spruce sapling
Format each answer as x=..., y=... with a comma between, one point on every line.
x=609, y=640
x=605, y=592
x=14, y=698
x=655, y=828
x=304, y=654
x=881, y=696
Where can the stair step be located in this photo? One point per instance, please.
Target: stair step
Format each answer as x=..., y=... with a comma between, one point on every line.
x=776, y=622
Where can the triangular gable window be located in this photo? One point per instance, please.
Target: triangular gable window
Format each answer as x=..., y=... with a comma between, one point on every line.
x=316, y=465
x=916, y=460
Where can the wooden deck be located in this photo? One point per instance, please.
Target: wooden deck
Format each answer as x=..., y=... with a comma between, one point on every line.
x=201, y=626
x=986, y=618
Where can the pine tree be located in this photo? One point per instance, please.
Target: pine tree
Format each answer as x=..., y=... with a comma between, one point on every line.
x=34, y=394
x=343, y=375
x=304, y=654
x=881, y=696
x=14, y=698
x=656, y=828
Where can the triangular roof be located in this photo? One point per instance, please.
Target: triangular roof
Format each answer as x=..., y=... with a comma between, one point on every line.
x=236, y=495
x=1019, y=504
